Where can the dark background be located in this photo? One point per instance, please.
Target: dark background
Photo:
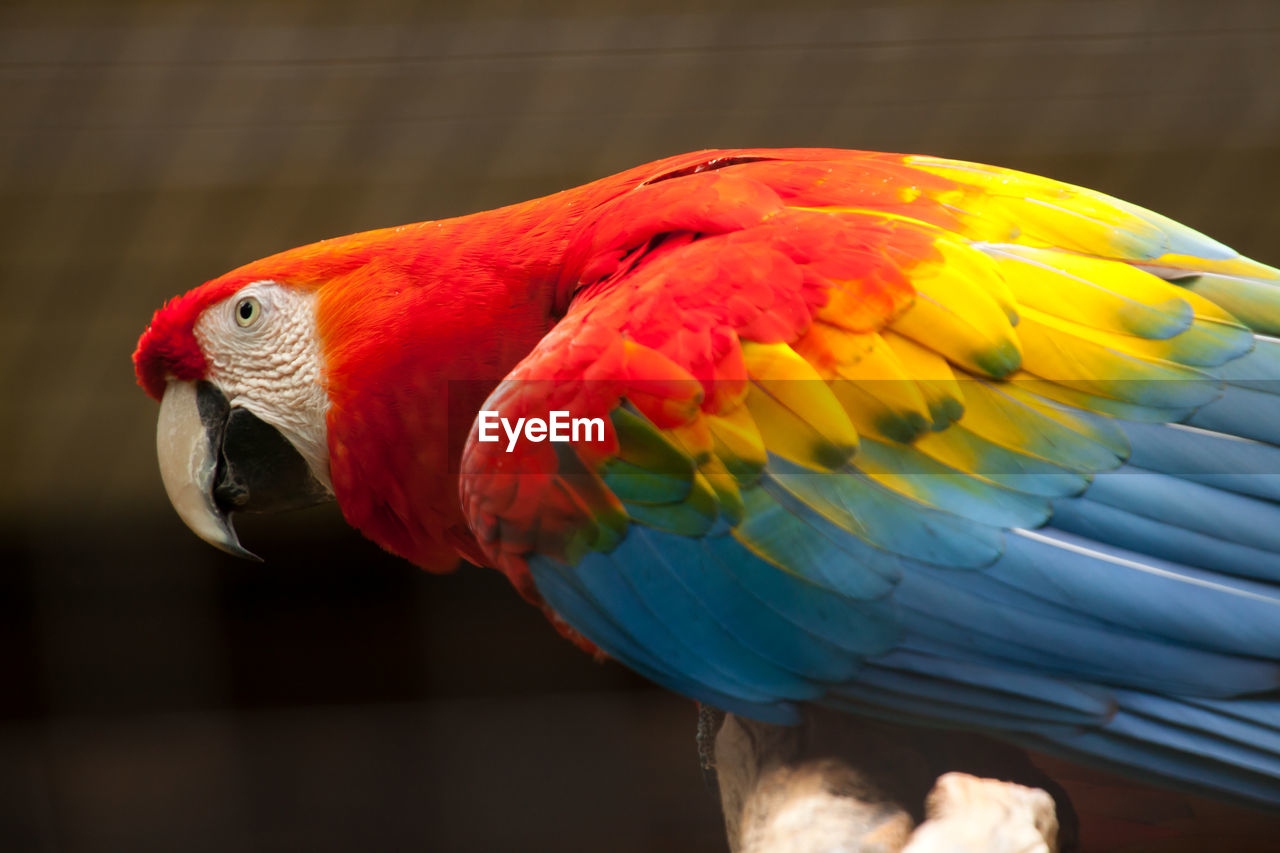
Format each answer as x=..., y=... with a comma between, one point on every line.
x=157, y=695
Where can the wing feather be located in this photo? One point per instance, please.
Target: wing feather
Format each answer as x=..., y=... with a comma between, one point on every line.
x=842, y=390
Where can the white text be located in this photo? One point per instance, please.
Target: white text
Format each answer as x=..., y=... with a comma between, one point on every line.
x=560, y=427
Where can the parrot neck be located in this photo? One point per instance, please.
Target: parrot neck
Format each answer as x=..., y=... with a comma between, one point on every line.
x=416, y=336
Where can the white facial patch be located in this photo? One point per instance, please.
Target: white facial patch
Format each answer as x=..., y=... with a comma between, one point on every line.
x=263, y=352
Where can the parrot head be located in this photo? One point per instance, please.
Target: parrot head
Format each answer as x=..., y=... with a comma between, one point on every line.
x=237, y=370
x=345, y=370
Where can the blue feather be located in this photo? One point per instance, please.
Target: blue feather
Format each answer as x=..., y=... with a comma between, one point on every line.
x=753, y=622
x=789, y=534
x=1262, y=741
x=607, y=580
x=1168, y=751
x=1107, y=524
x=656, y=575
x=1002, y=465
x=936, y=692
x=1264, y=712
x=586, y=616
x=989, y=621
x=1222, y=461
x=947, y=489
x=1243, y=412
x=861, y=627
x=1259, y=370
x=1083, y=700
x=1151, y=597
x=1190, y=506
x=943, y=709
x=883, y=518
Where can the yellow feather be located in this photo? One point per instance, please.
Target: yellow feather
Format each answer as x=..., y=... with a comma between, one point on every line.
x=1206, y=308
x=738, y=442
x=794, y=409
x=972, y=266
x=958, y=319
x=876, y=391
x=1079, y=399
x=932, y=375
x=881, y=397
x=725, y=485
x=1018, y=422
x=827, y=346
x=1119, y=366
x=1095, y=292
x=694, y=438
x=1006, y=206
x=1177, y=350
x=1170, y=265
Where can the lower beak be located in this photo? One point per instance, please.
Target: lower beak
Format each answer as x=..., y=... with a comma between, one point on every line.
x=216, y=459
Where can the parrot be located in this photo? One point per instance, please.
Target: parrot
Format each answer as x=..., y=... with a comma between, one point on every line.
x=911, y=438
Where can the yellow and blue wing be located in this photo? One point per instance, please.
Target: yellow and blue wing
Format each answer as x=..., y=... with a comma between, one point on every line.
x=922, y=439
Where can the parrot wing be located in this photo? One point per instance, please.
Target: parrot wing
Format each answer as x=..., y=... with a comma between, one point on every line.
x=892, y=434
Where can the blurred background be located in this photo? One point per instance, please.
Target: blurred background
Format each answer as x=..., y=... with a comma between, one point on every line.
x=157, y=695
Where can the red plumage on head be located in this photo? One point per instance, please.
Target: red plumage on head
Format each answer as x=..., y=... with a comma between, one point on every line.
x=168, y=348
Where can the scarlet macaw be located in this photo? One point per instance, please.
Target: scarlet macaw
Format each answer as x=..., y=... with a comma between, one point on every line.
x=922, y=439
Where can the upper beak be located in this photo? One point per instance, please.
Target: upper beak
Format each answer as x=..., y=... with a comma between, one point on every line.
x=216, y=459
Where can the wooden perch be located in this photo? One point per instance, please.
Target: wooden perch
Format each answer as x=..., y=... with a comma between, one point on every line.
x=839, y=783
x=966, y=813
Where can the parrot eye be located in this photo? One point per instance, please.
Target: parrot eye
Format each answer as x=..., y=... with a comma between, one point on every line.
x=247, y=311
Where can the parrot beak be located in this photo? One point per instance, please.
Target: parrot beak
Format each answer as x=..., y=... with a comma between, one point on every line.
x=216, y=459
